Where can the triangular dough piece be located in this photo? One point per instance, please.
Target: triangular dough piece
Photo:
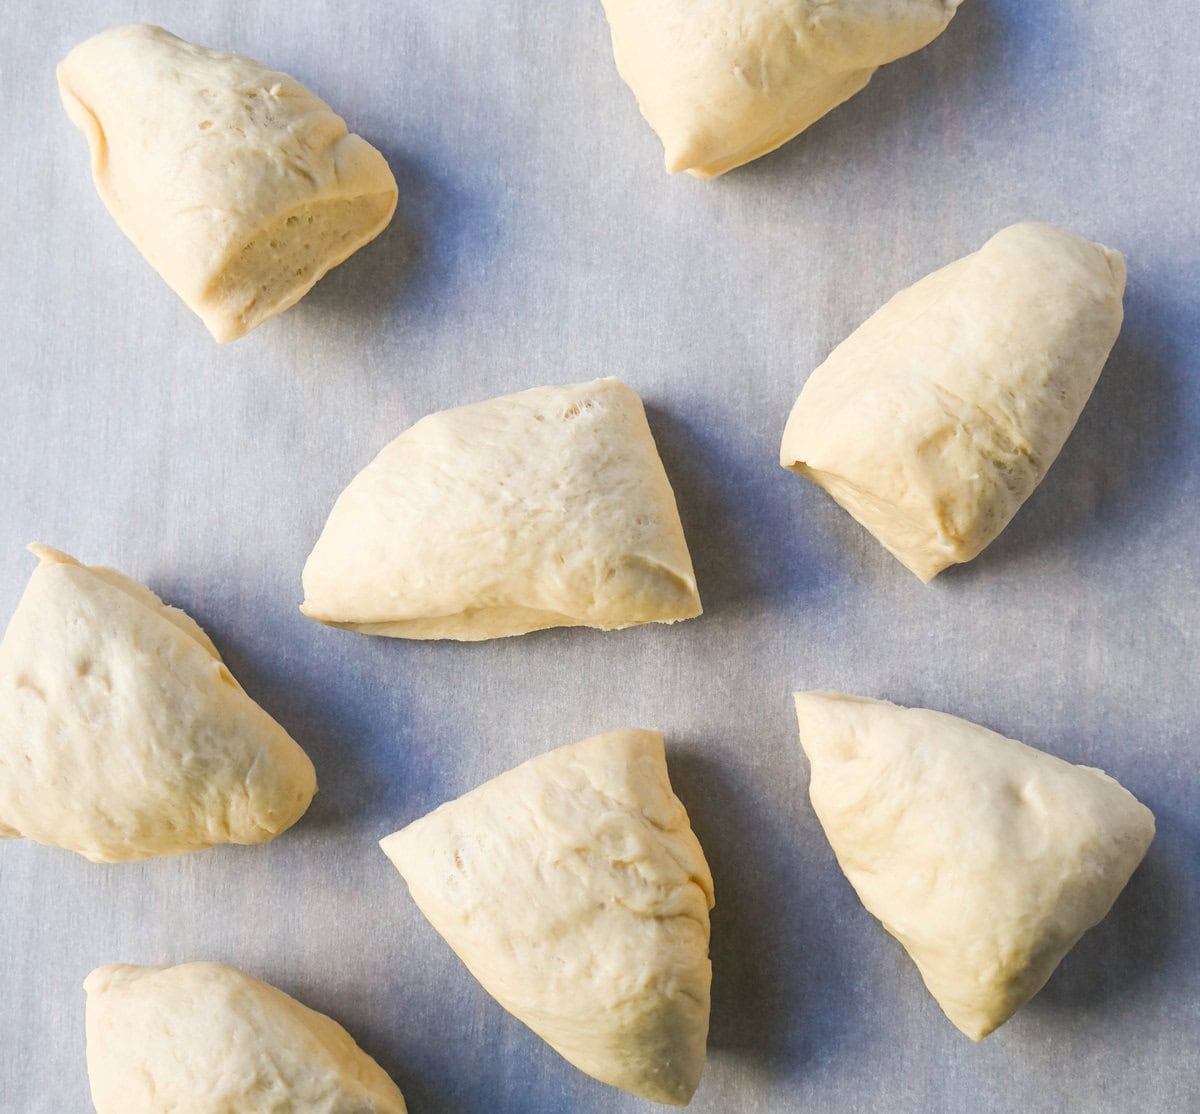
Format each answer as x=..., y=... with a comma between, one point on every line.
x=547, y=508
x=725, y=81
x=937, y=417
x=123, y=735
x=985, y=858
x=239, y=186
x=204, y=1038
x=574, y=890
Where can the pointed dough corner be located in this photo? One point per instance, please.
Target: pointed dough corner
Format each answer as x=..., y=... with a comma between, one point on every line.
x=545, y=508
x=985, y=858
x=725, y=82
x=122, y=733
x=574, y=890
x=158, y=1038
x=239, y=186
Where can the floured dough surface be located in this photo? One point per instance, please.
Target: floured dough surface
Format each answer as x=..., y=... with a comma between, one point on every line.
x=985, y=858
x=545, y=508
x=204, y=1038
x=123, y=735
x=725, y=81
x=938, y=417
x=238, y=185
x=573, y=889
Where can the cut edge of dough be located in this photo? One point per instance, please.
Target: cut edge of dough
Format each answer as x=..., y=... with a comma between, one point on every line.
x=484, y=623
x=235, y=301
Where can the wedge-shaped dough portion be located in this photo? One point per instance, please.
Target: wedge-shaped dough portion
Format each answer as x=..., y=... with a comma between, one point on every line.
x=239, y=186
x=725, y=81
x=123, y=735
x=548, y=508
x=938, y=416
x=204, y=1038
x=985, y=858
x=574, y=890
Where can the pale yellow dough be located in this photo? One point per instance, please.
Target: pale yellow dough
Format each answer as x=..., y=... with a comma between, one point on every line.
x=123, y=735
x=725, y=81
x=573, y=889
x=985, y=858
x=938, y=416
x=238, y=185
x=204, y=1038
x=546, y=508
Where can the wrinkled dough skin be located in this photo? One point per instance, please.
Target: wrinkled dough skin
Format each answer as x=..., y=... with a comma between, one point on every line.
x=204, y=1038
x=574, y=890
x=545, y=508
x=123, y=735
x=938, y=417
x=724, y=81
x=239, y=186
x=985, y=858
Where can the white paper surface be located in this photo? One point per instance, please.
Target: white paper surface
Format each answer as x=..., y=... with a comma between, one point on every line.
x=538, y=241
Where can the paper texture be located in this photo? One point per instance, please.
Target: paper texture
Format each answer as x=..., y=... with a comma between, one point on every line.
x=538, y=241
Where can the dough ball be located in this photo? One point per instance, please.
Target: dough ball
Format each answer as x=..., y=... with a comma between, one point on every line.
x=204, y=1038
x=938, y=416
x=123, y=735
x=547, y=508
x=985, y=858
x=574, y=890
x=725, y=81
x=239, y=186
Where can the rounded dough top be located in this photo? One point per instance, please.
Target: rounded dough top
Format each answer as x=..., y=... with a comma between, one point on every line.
x=205, y=1038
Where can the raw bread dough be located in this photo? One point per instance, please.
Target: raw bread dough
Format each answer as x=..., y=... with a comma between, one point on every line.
x=204, y=1038
x=985, y=858
x=123, y=735
x=574, y=890
x=938, y=416
x=725, y=81
x=238, y=185
x=546, y=508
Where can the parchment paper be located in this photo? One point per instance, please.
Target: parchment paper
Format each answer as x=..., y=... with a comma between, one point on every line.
x=539, y=241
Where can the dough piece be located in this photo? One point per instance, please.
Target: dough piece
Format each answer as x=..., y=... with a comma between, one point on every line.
x=938, y=416
x=574, y=890
x=239, y=186
x=204, y=1038
x=985, y=858
x=548, y=508
x=123, y=735
x=723, y=82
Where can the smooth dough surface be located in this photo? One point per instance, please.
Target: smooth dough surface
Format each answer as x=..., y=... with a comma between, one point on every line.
x=123, y=735
x=725, y=81
x=238, y=185
x=938, y=416
x=205, y=1038
x=573, y=889
x=546, y=508
x=985, y=858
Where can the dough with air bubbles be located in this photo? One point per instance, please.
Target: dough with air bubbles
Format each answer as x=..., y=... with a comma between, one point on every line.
x=122, y=733
x=239, y=186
